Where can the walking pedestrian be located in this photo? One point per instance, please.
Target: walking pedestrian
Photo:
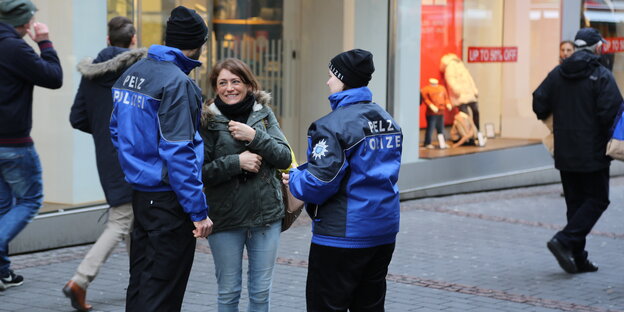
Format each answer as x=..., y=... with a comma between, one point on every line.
x=91, y=113
x=583, y=98
x=243, y=148
x=21, y=68
x=154, y=127
x=350, y=187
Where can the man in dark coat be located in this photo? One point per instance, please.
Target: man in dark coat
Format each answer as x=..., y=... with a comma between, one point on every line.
x=21, y=68
x=91, y=113
x=583, y=98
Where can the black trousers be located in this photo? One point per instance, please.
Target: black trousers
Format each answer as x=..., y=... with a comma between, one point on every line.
x=587, y=197
x=474, y=107
x=161, y=254
x=346, y=278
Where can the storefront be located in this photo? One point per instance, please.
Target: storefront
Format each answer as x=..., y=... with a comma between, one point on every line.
x=505, y=50
x=507, y=46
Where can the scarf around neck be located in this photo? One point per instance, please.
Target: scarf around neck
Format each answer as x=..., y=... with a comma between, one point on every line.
x=237, y=112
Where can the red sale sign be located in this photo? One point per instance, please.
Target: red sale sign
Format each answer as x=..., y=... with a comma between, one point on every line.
x=613, y=45
x=492, y=54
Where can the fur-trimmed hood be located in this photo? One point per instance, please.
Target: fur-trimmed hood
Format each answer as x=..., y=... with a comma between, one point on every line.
x=209, y=109
x=109, y=64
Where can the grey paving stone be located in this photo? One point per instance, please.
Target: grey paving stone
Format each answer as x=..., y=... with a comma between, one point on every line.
x=469, y=252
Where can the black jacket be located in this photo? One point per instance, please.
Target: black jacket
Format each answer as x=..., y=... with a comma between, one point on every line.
x=92, y=110
x=583, y=98
x=20, y=70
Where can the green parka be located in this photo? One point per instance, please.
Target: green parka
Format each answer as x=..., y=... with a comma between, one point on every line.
x=238, y=201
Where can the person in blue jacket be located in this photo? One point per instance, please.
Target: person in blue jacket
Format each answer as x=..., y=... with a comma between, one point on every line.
x=349, y=185
x=154, y=127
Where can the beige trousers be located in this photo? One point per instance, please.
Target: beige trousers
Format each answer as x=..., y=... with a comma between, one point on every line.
x=118, y=228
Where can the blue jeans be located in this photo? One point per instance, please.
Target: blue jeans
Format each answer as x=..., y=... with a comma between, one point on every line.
x=434, y=122
x=227, y=252
x=21, y=195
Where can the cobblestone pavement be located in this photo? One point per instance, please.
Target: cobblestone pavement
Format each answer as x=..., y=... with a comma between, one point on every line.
x=469, y=252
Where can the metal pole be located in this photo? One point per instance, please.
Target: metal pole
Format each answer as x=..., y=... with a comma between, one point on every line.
x=392, y=41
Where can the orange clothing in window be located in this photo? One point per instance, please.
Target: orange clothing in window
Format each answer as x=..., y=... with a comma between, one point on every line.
x=435, y=95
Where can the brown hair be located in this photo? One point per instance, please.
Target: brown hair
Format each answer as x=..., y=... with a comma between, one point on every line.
x=120, y=31
x=236, y=67
x=566, y=42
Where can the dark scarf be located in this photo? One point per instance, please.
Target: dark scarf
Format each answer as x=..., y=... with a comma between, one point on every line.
x=237, y=112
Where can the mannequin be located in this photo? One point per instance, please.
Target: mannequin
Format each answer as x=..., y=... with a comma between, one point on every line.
x=436, y=99
x=461, y=87
x=464, y=131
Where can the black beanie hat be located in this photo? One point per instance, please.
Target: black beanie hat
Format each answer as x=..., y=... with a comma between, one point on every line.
x=186, y=30
x=354, y=67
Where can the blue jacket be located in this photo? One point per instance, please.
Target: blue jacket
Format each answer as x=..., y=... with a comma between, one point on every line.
x=20, y=70
x=154, y=127
x=350, y=181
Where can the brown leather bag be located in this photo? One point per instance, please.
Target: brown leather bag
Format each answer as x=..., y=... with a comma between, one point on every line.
x=292, y=208
x=292, y=205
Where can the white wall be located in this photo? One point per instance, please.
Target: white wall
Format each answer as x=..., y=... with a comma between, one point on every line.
x=538, y=54
x=329, y=27
x=321, y=39
x=407, y=75
x=370, y=32
x=77, y=29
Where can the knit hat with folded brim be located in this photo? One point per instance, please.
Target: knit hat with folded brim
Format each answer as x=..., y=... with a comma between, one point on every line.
x=354, y=67
x=16, y=12
x=186, y=30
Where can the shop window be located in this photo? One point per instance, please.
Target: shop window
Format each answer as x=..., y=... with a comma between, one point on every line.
x=249, y=30
x=504, y=49
x=252, y=31
x=608, y=18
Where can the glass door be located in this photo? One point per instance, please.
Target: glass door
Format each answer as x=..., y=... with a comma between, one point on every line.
x=253, y=32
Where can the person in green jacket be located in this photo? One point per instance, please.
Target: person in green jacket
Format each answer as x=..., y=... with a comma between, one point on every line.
x=243, y=148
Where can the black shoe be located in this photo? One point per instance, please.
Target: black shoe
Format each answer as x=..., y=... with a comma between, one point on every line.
x=11, y=280
x=587, y=266
x=563, y=255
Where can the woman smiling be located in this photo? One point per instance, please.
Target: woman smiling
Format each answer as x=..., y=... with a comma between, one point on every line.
x=243, y=147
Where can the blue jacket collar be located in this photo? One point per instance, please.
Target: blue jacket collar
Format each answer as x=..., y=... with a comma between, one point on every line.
x=351, y=96
x=174, y=55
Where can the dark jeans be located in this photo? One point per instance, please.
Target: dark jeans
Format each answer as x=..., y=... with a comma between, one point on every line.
x=347, y=278
x=587, y=197
x=475, y=111
x=21, y=195
x=161, y=253
x=434, y=122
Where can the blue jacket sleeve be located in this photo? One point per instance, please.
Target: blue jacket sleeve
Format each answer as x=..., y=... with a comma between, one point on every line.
x=181, y=148
x=320, y=178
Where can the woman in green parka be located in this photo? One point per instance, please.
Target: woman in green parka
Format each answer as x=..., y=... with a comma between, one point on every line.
x=243, y=148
